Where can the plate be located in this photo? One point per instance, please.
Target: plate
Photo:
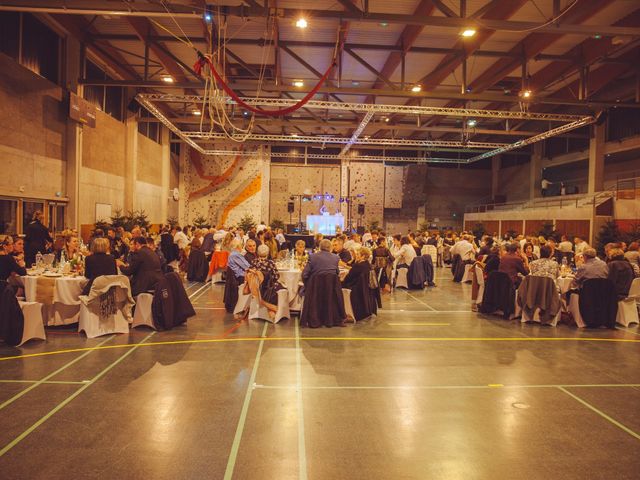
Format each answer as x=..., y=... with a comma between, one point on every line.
x=52, y=275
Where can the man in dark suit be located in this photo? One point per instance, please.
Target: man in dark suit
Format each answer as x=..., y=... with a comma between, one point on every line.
x=36, y=238
x=513, y=262
x=322, y=262
x=144, y=268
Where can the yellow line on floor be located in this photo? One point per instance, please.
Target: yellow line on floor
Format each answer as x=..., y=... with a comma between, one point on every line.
x=333, y=339
x=419, y=324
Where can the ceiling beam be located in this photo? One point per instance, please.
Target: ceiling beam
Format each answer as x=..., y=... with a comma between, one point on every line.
x=440, y=5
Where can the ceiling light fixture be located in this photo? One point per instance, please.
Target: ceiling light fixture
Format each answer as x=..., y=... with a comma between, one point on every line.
x=298, y=83
x=527, y=94
x=167, y=79
x=384, y=24
x=469, y=32
x=416, y=88
x=355, y=83
x=301, y=23
x=472, y=122
x=197, y=112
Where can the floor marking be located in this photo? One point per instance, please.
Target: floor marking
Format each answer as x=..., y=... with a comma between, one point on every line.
x=67, y=400
x=53, y=374
x=335, y=339
x=231, y=462
x=439, y=387
x=601, y=413
x=201, y=289
x=423, y=303
x=50, y=382
x=627, y=331
x=302, y=449
x=419, y=324
x=423, y=311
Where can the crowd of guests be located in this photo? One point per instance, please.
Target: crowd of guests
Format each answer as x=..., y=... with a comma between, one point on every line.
x=537, y=256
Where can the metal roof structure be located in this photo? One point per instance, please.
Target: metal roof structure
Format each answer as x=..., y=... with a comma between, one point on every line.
x=405, y=74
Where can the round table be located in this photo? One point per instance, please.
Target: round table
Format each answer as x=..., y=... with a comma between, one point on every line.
x=291, y=280
x=60, y=297
x=564, y=284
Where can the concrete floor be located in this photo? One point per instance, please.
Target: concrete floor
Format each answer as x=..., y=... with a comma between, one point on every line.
x=427, y=390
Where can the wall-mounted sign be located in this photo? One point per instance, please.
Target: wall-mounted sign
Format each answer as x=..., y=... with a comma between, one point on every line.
x=82, y=111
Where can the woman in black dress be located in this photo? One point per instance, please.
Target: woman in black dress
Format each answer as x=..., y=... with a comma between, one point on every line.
x=363, y=296
x=262, y=278
x=383, y=264
x=99, y=263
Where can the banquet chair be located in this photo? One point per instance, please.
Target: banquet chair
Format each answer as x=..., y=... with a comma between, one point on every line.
x=348, y=308
x=260, y=312
x=143, y=315
x=244, y=301
x=432, y=251
x=33, y=322
x=401, y=278
x=574, y=310
x=627, y=308
x=539, y=301
x=479, y=278
x=595, y=305
x=323, y=302
x=499, y=296
x=107, y=308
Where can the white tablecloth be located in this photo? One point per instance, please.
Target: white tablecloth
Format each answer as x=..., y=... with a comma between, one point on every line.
x=65, y=306
x=564, y=283
x=291, y=280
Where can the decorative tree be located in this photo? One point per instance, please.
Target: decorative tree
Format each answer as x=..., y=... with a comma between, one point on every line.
x=478, y=230
x=374, y=225
x=547, y=231
x=424, y=226
x=609, y=233
x=101, y=225
x=172, y=221
x=275, y=224
x=201, y=222
x=118, y=219
x=247, y=223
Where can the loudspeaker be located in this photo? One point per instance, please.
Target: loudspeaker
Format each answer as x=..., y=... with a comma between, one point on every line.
x=361, y=209
x=290, y=207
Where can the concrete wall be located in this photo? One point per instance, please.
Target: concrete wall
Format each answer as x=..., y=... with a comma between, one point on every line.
x=513, y=182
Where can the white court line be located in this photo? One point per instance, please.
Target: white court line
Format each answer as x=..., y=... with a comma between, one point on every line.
x=233, y=455
x=423, y=303
x=627, y=331
x=302, y=449
x=433, y=312
x=601, y=413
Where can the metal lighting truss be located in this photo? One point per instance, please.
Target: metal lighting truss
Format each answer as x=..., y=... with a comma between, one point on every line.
x=376, y=108
x=574, y=122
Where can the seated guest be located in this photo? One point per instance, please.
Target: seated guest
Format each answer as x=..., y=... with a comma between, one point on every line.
x=363, y=300
x=464, y=248
x=487, y=245
x=580, y=245
x=208, y=242
x=620, y=272
x=406, y=254
x=9, y=266
x=144, y=267
x=321, y=262
x=565, y=245
x=316, y=241
x=271, y=242
x=514, y=262
x=99, y=263
x=353, y=243
x=237, y=262
x=18, y=250
x=544, y=267
x=250, y=250
x=118, y=248
x=262, y=278
x=337, y=245
x=492, y=261
x=158, y=251
x=71, y=248
x=300, y=254
x=592, y=267
x=632, y=254
x=528, y=252
x=383, y=263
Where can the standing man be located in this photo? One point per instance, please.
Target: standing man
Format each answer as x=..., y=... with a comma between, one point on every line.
x=144, y=269
x=36, y=238
x=544, y=187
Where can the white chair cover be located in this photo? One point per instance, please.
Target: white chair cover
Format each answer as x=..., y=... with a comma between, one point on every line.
x=348, y=309
x=468, y=273
x=243, y=302
x=257, y=311
x=480, y=280
x=217, y=277
x=536, y=317
x=401, y=278
x=143, y=316
x=90, y=321
x=33, y=322
x=627, y=312
x=574, y=310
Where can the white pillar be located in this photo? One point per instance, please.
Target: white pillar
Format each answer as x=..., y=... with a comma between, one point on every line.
x=596, y=159
x=73, y=137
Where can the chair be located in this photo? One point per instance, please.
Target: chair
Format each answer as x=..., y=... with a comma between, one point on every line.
x=260, y=312
x=499, y=295
x=230, y=295
x=432, y=251
x=596, y=305
x=33, y=322
x=323, y=302
x=348, y=308
x=143, y=316
x=244, y=301
x=627, y=308
x=479, y=278
x=401, y=278
x=468, y=273
x=107, y=308
x=197, y=267
x=539, y=300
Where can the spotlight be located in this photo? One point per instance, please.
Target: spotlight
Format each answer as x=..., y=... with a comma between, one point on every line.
x=526, y=93
x=384, y=24
x=208, y=17
x=245, y=113
x=469, y=32
x=386, y=119
x=472, y=123
x=167, y=79
x=298, y=83
x=301, y=23
x=355, y=83
x=416, y=88
x=197, y=112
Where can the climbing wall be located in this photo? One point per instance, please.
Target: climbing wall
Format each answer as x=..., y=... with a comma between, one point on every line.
x=223, y=188
x=367, y=179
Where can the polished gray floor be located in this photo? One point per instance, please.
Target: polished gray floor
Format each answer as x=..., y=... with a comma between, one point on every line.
x=427, y=390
